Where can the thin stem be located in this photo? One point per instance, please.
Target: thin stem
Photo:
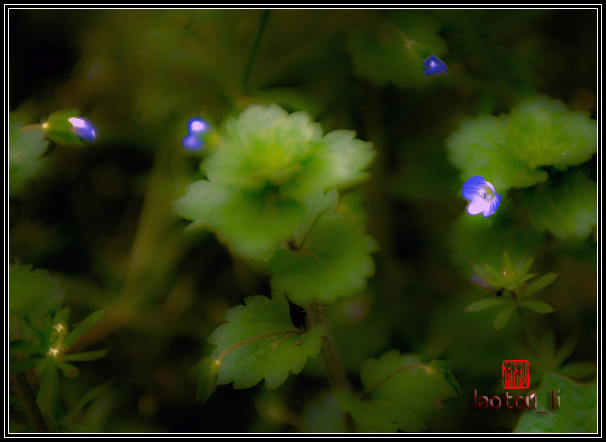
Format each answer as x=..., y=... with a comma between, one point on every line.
x=29, y=402
x=532, y=340
x=258, y=338
x=152, y=221
x=255, y=47
x=336, y=373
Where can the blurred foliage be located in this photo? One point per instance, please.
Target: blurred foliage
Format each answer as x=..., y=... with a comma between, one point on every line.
x=99, y=217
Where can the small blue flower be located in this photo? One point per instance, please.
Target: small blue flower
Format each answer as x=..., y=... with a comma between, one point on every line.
x=83, y=128
x=434, y=66
x=192, y=142
x=481, y=195
x=197, y=125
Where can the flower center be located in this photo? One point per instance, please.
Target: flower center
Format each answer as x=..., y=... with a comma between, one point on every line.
x=486, y=193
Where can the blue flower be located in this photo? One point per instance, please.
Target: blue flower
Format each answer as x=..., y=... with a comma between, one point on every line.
x=83, y=128
x=481, y=195
x=197, y=125
x=191, y=142
x=434, y=66
x=197, y=128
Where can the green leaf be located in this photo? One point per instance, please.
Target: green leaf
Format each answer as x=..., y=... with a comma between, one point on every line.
x=69, y=370
x=401, y=393
x=26, y=364
x=524, y=265
x=59, y=129
x=259, y=342
x=541, y=282
x=206, y=372
x=537, y=306
x=565, y=350
x=48, y=395
x=84, y=326
x=542, y=132
x=483, y=304
x=389, y=54
x=30, y=291
x=89, y=396
x=566, y=208
x=577, y=413
x=509, y=150
x=323, y=415
x=578, y=369
x=333, y=262
x=25, y=150
x=86, y=355
x=502, y=318
x=23, y=349
x=507, y=265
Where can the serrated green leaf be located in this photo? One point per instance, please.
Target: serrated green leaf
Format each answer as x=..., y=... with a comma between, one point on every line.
x=537, y=306
x=84, y=326
x=401, y=393
x=566, y=208
x=502, y=318
x=541, y=282
x=578, y=370
x=483, y=304
x=86, y=355
x=25, y=149
x=509, y=150
x=260, y=341
x=89, y=396
x=318, y=207
x=30, y=291
x=333, y=262
x=542, y=132
x=577, y=413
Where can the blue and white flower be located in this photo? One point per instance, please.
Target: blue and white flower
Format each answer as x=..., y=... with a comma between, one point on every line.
x=434, y=66
x=197, y=128
x=83, y=128
x=481, y=195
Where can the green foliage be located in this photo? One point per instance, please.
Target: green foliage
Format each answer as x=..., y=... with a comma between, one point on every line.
x=262, y=173
x=331, y=258
x=577, y=413
x=30, y=292
x=511, y=282
x=567, y=207
x=509, y=151
x=400, y=393
x=258, y=342
x=25, y=146
x=58, y=128
x=394, y=52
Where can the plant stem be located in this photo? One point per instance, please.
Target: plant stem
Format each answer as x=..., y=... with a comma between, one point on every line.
x=255, y=47
x=336, y=374
x=152, y=222
x=29, y=402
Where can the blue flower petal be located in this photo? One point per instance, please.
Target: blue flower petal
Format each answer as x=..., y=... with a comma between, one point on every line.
x=197, y=126
x=83, y=128
x=434, y=66
x=472, y=186
x=192, y=143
